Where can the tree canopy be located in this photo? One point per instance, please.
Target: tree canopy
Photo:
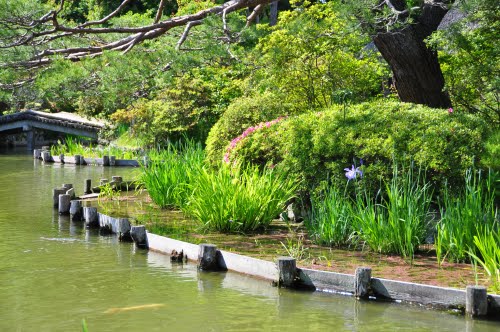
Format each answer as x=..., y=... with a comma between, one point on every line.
x=122, y=51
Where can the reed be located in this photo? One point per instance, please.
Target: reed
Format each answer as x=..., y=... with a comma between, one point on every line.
x=465, y=216
x=487, y=244
x=235, y=198
x=168, y=176
x=331, y=219
x=395, y=221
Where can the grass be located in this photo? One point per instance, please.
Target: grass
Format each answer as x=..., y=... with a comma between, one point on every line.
x=227, y=199
x=394, y=221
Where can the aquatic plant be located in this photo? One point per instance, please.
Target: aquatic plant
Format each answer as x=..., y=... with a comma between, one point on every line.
x=331, y=218
x=72, y=146
x=168, y=176
x=487, y=244
x=395, y=221
x=237, y=198
x=466, y=216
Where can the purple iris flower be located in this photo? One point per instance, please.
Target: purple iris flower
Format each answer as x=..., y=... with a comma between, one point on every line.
x=352, y=173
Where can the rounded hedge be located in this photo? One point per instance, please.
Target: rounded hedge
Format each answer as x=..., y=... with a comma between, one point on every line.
x=241, y=114
x=319, y=146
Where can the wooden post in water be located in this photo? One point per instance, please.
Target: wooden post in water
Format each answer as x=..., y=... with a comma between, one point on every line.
x=105, y=160
x=476, y=302
x=75, y=210
x=55, y=195
x=117, y=179
x=287, y=271
x=362, y=282
x=87, y=189
x=139, y=236
x=61, y=158
x=64, y=203
x=46, y=157
x=90, y=217
x=103, y=182
x=112, y=161
x=37, y=153
x=67, y=186
x=207, y=257
x=71, y=192
x=77, y=159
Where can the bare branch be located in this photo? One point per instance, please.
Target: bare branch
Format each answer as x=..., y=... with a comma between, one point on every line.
x=256, y=11
x=186, y=32
x=15, y=85
x=159, y=13
x=224, y=21
x=107, y=18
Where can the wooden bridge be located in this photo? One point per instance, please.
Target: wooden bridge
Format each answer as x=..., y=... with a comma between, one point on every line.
x=30, y=122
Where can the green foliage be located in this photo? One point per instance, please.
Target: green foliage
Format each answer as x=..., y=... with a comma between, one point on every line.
x=241, y=114
x=73, y=146
x=398, y=223
x=190, y=106
x=470, y=59
x=311, y=55
x=466, y=216
x=492, y=151
x=488, y=255
x=393, y=221
x=318, y=146
x=171, y=172
x=331, y=220
x=234, y=198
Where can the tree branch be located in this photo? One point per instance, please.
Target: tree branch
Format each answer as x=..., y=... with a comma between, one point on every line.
x=256, y=11
x=159, y=13
x=186, y=32
x=107, y=18
x=36, y=37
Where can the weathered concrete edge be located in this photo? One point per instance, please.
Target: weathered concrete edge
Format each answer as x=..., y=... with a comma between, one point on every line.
x=165, y=245
x=329, y=281
x=442, y=297
x=248, y=265
x=419, y=293
x=226, y=260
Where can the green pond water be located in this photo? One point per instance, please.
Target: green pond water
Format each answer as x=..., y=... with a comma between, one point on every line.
x=54, y=274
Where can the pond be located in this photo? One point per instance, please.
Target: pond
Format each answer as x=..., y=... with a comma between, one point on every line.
x=54, y=274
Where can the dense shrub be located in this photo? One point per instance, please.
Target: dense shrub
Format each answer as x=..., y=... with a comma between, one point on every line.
x=319, y=145
x=241, y=114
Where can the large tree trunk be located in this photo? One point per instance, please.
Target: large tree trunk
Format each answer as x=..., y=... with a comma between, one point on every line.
x=416, y=72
